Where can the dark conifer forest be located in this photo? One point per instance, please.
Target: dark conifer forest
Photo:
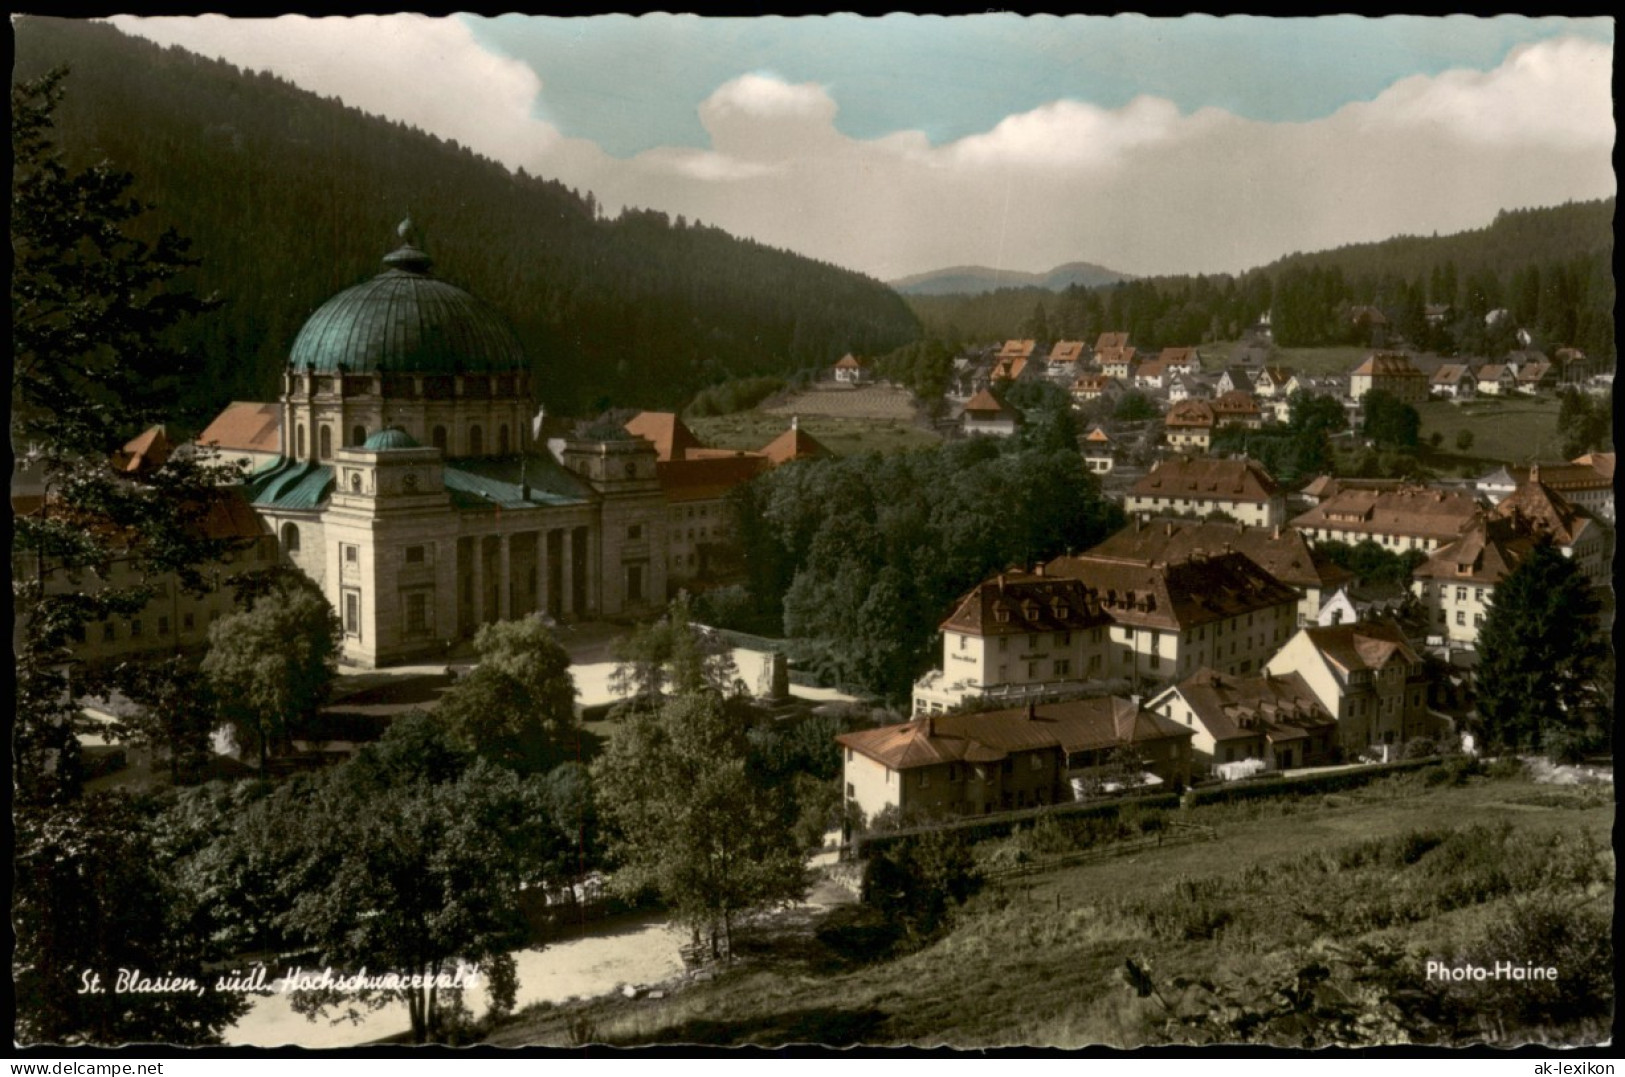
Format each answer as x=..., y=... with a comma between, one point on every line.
x=289, y=198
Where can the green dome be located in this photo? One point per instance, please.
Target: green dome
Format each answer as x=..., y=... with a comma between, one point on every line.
x=406, y=321
x=392, y=438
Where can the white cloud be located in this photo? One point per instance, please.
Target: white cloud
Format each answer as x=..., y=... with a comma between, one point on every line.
x=1142, y=188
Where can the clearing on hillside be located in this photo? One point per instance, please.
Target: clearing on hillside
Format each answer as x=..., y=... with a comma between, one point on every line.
x=848, y=402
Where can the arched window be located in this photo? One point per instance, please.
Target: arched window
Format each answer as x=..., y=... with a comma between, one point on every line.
x=502, y=440
x=476, y=441
x=355, y=482
x=358, y=435
x=299, y=448
x=439, y=438
x=324, y=442
x=290, y=538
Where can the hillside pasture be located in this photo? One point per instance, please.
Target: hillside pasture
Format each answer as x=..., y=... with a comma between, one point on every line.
x=1506, y=429
x=1426, y=861
x=845, y=419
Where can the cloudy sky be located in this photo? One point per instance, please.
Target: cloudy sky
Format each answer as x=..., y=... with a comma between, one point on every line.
x=902, y=144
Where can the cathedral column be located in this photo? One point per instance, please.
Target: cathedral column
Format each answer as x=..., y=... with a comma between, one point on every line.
x=479, y=580
x=504, y=580
x=567, y=567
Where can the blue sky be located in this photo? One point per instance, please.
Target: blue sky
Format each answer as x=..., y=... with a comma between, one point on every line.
x=902, y=144
x=632, y=83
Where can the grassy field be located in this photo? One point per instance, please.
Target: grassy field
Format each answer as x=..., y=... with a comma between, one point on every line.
x=1423, y=868
x=843, y=436
x=1315, y=361
x=1512, y=429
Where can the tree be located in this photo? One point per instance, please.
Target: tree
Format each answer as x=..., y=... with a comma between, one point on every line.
x=176, y=716
x=518, y=707
x=686, y=819
x=92, y=899
x=91, y=308
x=410, y=859
x=671, y=656
x=1134, y=406
x=273, y=664
x=1464, y=440
x=1390, y=421
x=1539, y=650
x=1584, y=423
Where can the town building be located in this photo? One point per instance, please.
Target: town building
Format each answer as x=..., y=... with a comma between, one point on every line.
x=1108, y=342
x=410, y=486
x=1181, y=360
x=985, y=414
x=1234, y=379
x=1392, y=373
x=1398, y=518
x=1366, y=676
x=1150, y=375
x=1188, y=426
x=1170, y=619
x=1456, y=584
x=1272, y=382
x=174, y=620
x=1012, y=359
x=248, y=434
x=1537, y=508
x=1182, y=387
x=1276, y=720
x=1496, y=379
x=1065, y=360
x=1091, y=387
x=1237, y=408
x=1535, y=377
x=1587, y=481
x=1453, y=381
x=1281, y=551
x=851, y=370
x=1200, y=485
x=1017, y=628
x=941, y=766
x=1119, y=362
x=1099, y=452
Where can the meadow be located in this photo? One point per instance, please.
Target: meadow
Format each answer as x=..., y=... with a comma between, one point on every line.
x=1332, y=902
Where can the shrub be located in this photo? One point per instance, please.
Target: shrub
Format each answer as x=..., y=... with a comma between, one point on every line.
x=1504, y=768
x=1420, y=748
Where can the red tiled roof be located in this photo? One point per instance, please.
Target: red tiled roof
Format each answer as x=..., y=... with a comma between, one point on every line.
x=1115, y=355
x=1488, y=551
x=1208, y=477
x=1091, y=383
x=794, y=444
x=985, y=401
x=1366, y=645
x=1153, y=369
x=1017, y=349
x=1180, y=356
x=1419, y=511
x=1388, y=365
x=1536, y=507
x=1601, y=462
x=1281, y=551
x=1277, y=707
x=1009, y=367
x=706, y=478
x=246, y=426
x=1491, y=372
x=1066, y=351
x=147, y=450
x=1176, y=595
x=990, y=736
x=1015, y=603
x=1111, y=340
x=1189, y=413
x=849, y=362
x=671, y=438
x=1235, y=402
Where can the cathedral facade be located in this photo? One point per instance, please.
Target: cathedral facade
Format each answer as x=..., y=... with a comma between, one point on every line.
x=410, y=485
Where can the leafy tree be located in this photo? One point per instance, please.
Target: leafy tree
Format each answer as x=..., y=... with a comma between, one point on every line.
x=1539, y=651
x=273, y=664
x=91, y=899
x=1390, y=421
x=518, y=706
x=1134, y=406
x=1464, y=440
x=422, y=877
x=687, y=821
x=91, y=307
x=1585, y=423
x=1370, y=562
x=177, y=713
x=670, y=656
x=916, y=883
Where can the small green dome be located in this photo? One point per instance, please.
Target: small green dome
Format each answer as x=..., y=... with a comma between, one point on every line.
x=406, y=321
x=392, y=438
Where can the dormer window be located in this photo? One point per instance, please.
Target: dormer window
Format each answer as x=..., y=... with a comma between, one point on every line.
x=1001, y=615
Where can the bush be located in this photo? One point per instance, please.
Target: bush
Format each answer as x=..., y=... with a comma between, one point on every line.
x=1420, y=748
x=1504, y=768
x=917, y=883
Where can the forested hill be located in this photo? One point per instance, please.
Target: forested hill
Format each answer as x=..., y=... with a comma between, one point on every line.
x=1513, y=241
x=1550, y=268
x=289, y=198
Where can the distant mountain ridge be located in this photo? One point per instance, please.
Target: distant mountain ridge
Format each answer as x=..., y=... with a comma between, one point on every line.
x=976, y=280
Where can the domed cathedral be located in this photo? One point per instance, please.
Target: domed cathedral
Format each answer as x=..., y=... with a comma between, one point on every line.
x=410, y=486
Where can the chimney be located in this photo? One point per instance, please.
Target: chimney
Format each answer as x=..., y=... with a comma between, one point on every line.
x=795, y=422
x=930, y=726
x=1032, y=711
